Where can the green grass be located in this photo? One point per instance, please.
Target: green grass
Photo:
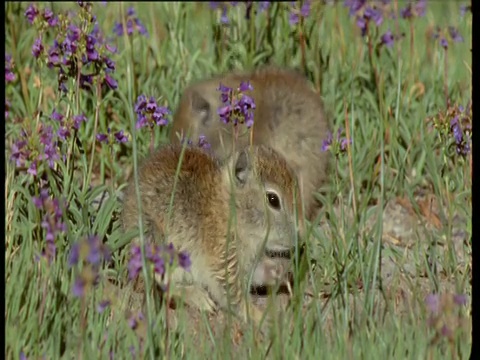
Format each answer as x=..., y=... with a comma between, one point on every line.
x=386, y=97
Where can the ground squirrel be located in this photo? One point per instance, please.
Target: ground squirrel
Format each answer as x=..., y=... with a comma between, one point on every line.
x=289, y=117
x=223, y=253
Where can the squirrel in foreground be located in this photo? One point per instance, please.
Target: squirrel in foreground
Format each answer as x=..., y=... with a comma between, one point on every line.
x=289, y=117
x=224, y=245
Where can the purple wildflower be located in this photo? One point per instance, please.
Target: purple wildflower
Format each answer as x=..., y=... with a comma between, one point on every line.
x=150, y=113
x=142, y=121
x=354, y=5
x=159, y=116
x=224, y=17
x=7, y=108
x=111, y=82
x=387, y=39
x=74, y=256
x=305, y=9
x=31, y=13
x=244, y=86
x=460, y=299
x=464, y=8
x=237, y=106
x=293, y=19
x=170, y=251
x=443, y=42
x=373, y=14
x=151, y=105
x=78, y=119
x=264, y=5
x=32, y=169
x=433, y=303
x=103, y=305
x=454, y=34
x=327, y=143
x=37, y=48
x=156, y=255
x=461, y=136
x=295, y=15
x=91, y=252
x=140, y=104
x=102, y=137
x=63, y=133
x=19, y=153
x=109, y=63
x=203, y=143
x=56, y=116
x=338, y=144
x=52, y=221
x=92, y=53
x=420, y=7
x=78, y=289
x=98, y=252
x=132, y=23
x=412, y=9
x=184, y=260
x=135, y=263
x=54, y=55
x=74, y=32
x=120, y=137
x=86, y=81
x=50, y=18
x=9, y=75
x=134, y=320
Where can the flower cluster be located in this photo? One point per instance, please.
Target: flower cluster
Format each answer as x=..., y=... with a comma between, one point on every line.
x=414, y=9
x=337, y=145
x=296, y=15
x=461, y=129
x=138, y=323
x=444, y=317
x=464, y=8
x=201, y=143
x=223, y=6
x=453, y=33
x=374, y=13
x=65, y=126
x=7, y=108
x=91, y=252
x=132, y=23
x=107, y=138
x=159, y=256
x=47, y=16
x=9, y=75
x=237, y=107
x=364, y=14
x=52, y=221
x=455, y=128
x=31, y=151
x=149, y=113
x=76, y=52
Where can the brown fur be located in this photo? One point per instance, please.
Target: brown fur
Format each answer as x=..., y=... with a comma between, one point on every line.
x=222, y=257
x=289, y=118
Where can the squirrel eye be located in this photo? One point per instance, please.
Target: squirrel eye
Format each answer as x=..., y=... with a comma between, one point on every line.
x=273, y=200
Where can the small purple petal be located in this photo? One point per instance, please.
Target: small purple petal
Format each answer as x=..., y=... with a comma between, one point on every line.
x=103, y=305
x=111, y=82
x=102, y=137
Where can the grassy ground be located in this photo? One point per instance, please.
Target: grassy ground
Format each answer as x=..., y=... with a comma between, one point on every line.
x=392, y=247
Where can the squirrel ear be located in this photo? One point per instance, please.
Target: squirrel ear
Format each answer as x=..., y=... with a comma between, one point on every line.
x=242, y=166
x=200, y=107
